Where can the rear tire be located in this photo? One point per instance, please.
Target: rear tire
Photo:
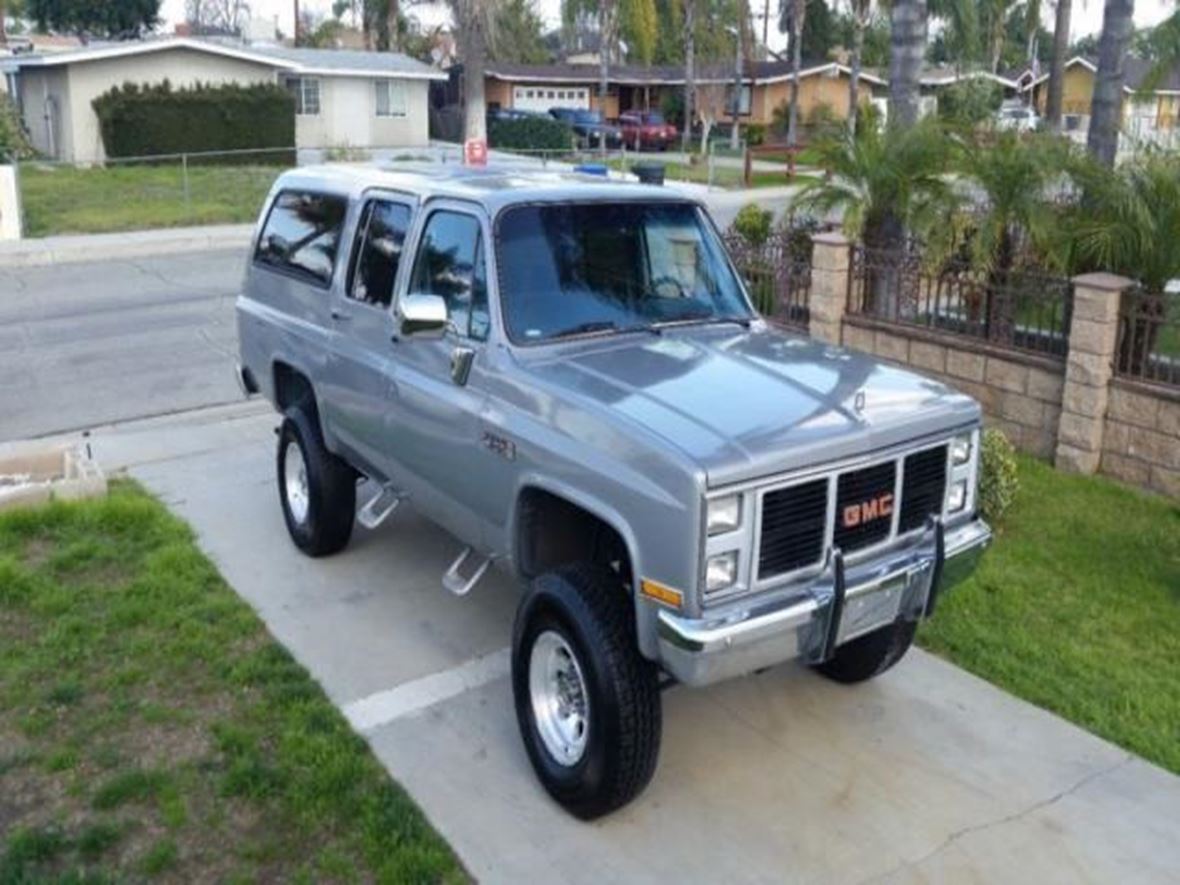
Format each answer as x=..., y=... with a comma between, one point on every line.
x=870, y=655
x=317, y=490
x=587, y=702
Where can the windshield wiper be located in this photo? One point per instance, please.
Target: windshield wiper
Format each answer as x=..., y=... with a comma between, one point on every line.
x=599, y=326
x=706, y=319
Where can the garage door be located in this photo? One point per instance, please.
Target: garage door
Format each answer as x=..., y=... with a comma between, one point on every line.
x=542, y=98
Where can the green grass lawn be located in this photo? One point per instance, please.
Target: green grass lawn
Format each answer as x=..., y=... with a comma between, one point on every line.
x=1077, y=609
x=723, y=176
x=151, y=727
x=65, y=200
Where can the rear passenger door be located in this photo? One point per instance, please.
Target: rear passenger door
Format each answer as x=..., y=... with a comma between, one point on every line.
x=362, y=370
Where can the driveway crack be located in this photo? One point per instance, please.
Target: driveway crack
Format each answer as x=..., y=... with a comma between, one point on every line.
x=963, y=832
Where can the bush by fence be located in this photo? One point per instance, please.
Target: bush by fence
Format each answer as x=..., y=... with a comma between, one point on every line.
x=138, y=121
x=13, y=144
x=530, y=133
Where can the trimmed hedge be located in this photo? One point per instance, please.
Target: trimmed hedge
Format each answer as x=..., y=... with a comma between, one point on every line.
x=144, y=121
x=531, y=133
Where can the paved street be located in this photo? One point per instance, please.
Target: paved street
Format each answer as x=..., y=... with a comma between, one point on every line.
x=90, y=343
x=924, y=775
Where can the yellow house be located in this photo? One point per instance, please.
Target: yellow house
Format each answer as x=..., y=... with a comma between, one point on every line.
x=823, y=88
x=1154, y=114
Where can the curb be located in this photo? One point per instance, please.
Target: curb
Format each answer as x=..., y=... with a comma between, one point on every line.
x=135, y=244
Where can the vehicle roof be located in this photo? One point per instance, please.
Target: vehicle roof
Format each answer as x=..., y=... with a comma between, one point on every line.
x=493, y=187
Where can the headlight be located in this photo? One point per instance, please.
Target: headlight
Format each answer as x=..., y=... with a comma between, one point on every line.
x=961, y=450
x=956, y=499
x=720, y=571
x=723, y=515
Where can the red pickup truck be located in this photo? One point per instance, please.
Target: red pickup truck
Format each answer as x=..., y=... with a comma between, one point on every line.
x=646, y=130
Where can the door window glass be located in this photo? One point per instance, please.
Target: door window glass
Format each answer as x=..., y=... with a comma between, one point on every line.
x=451, y=264
x=382, y=236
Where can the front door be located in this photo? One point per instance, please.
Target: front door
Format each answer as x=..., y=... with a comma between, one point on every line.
x=361, y=376
x=435, y=427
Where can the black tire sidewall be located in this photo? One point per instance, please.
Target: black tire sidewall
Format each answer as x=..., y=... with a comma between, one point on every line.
x=294, y=431
x=331, y=487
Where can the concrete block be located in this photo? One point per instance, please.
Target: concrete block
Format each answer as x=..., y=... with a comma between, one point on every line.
x=1022, y=409
x=1089, y=336
x=1006, y=375
x=1165, y=481
x=1046, y=386
x=10, y=217
x=859, y=338
x=966, y=365
x=1168, y=419
x=924, y=355
x=1083, y=400
x=1134, y=408
x=1080, y=432
x=1088, y=368
x=1117, y=437
x=1128, y=470
x=1073, y=460
x=37, y=473
x=893, y=347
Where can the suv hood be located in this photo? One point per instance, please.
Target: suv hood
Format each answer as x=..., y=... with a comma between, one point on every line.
x=747, y=404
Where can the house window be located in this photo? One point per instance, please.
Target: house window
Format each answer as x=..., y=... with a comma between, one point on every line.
x=391, y=98
x=307, y=95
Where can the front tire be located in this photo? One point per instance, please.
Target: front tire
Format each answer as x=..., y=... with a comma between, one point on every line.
x=870, y=655
x=317, y=490
x=587, y=702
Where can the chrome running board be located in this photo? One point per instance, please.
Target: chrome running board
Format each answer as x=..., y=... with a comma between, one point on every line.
x=458, y=583
x=379, y=508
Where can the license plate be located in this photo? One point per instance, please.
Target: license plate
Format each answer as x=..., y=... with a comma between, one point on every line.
x=869, y=609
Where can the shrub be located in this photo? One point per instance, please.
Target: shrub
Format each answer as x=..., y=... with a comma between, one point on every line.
x=13, y=144
x=753, y=223
x=755, y=134
x=998, y=483
x=970, y=102
x=529, y=134
x=141, y=121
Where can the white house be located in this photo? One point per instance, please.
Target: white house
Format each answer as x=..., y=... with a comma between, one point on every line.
x=342, y=98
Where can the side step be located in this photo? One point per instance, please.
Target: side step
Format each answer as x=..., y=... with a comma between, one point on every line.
x=379, y=508
x=459, y=583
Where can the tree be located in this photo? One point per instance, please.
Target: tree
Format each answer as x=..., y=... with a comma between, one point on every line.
x=640, y=29
x=1057, y=65
x=106, y=19
x=690, y=43
x=907, y=47
x=1106, y=106
x=862, y=13
x=519, y=33
x=211, y=17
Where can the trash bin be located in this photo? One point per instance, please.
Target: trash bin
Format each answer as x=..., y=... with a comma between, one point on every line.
x=649, y=173
x=592, y=169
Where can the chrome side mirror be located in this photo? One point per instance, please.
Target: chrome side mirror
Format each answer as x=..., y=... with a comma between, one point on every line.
x=423, y=316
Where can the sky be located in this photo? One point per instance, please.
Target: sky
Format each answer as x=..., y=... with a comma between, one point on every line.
x=1087, y=14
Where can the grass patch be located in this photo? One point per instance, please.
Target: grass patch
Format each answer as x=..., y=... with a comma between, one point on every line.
x=66, y=200
x=1077, y=609
x=152, y=728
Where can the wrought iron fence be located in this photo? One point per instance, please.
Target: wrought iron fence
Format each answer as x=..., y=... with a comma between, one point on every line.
x=1149, y=336
x=1021, y=309
x=777, y=272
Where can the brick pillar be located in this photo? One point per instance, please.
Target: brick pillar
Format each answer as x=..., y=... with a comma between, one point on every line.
x=1093, y=335
x=830, y=259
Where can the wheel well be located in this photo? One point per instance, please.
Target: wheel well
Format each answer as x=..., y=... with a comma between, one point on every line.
x=291, y=388
x=552, y=532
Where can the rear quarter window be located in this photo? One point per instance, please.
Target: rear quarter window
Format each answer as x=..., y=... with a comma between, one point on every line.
x=301, y=236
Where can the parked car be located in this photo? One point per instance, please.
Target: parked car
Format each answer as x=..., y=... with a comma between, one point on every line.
x=590, y=129
x=647, y=131
x=501, y=113
x=1018, y=117
x=568, y=376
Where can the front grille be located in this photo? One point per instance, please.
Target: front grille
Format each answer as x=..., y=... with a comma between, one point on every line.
x=864, y=502
x=793, y=524
x=923, y=487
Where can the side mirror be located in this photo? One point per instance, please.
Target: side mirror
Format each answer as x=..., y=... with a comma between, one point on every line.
x=423, y=316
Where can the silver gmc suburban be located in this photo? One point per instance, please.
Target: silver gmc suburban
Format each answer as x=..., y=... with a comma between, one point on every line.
x=567, y=375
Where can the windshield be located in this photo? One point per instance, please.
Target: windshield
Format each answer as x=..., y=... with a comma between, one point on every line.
x=588, y=116
x=598, y=268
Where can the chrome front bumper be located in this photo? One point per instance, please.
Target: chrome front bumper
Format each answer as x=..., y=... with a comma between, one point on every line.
x=809, y=622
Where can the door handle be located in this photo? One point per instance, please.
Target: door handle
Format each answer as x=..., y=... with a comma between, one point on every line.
x=340, y=316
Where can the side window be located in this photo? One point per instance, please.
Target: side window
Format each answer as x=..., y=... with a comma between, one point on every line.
x=451, y=263
x=302, y=235
x=382, y=236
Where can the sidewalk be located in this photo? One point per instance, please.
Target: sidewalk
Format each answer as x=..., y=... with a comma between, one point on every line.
x=130, y=244
x=927, y=774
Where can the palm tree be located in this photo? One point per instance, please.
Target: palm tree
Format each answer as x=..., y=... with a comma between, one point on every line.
x=690, y=88
x=798, y=17
x=1106, y=107
x=1057, y=65
x=907, y=49
x=475, y=25
x=862, y=11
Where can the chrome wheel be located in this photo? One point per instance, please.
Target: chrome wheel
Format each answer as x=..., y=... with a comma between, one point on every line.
x=557, y=689
x=295, y=482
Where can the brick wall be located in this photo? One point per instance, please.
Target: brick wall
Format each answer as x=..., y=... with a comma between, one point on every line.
x=1073, y=410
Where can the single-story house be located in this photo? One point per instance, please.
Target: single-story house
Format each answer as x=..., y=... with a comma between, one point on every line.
x=1151, y=116
x=342, y=98
x=766, y=85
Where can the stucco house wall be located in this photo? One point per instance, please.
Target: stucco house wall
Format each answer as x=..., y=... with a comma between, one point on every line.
x=348, y=116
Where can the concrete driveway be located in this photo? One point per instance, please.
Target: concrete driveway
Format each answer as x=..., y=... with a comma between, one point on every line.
x=925, y=775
